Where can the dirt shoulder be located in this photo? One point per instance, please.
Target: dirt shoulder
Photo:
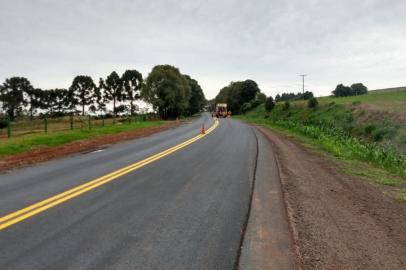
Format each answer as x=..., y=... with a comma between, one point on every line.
x=47, y=153
x=338, y=221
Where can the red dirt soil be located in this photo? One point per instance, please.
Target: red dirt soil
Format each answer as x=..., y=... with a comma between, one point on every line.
x=337, y=220
x=47, y=153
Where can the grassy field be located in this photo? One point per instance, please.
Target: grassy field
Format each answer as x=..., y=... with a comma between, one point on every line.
x=25, y=125
x=363, y=131
x=21, y=144
x=389, y=100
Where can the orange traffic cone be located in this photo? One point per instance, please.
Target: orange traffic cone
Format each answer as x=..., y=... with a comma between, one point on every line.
x=202, y=131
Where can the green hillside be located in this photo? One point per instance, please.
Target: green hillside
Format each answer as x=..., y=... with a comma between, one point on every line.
x=370, y=127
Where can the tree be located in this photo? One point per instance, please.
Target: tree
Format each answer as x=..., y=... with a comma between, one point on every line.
x=249, y=90
x=307, y=95
x=132, y=82
x=55, y=101
x=113, y=89
x=12, y=95
x=238, y=93
x=261, y=97
x=245, y=107
x=70, y=102
x=342, y=91
x=48, y=100
x=100, y=98
x=121, y=109
x=312, y=103
x=197, y=99
x=292, y=96
x=359, y=89
x=83, y=89
x=32, y=98
x=269, y=104
x=167, y=90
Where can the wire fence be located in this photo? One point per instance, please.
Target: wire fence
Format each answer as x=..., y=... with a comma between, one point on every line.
x=25, y=125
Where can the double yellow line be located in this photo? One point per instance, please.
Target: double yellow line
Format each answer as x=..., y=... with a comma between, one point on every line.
x=41, y=206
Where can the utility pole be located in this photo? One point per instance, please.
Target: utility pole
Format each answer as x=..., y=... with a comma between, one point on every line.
x=303, y=76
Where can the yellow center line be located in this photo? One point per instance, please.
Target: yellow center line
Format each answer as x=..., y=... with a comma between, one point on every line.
x=36, y=208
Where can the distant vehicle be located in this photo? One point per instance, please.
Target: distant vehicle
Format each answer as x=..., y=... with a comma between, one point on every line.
x=221, y=110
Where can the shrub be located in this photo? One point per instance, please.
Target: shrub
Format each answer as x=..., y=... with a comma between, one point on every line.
x=269, y=104
x=312, y=103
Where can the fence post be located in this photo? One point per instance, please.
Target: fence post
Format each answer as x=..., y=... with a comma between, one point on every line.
x=103, y=120
x=71, y=122
x=89, y=122
x=8, y=127
x=46, y=124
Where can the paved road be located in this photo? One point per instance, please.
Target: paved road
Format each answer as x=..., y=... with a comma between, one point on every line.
x=184, y=211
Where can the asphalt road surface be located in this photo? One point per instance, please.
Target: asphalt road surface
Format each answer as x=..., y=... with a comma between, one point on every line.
x=186, y=210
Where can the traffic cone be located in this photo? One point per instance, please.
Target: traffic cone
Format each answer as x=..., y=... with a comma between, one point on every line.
x=202, y=131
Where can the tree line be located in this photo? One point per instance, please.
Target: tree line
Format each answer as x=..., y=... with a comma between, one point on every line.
x=171, y=94
x=353, y=90
x=292, y=96
x=241, y=96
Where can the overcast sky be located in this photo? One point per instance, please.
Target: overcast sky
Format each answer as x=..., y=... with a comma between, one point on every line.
x=269, y=41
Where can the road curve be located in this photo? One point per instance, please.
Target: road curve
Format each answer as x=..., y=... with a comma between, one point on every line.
x=186, y=210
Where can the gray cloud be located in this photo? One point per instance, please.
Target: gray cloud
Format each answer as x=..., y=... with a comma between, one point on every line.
x=270, y=41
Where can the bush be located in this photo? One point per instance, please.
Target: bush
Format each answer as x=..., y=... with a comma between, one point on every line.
x=312, y=103
x=269, y=104
x=286, y=106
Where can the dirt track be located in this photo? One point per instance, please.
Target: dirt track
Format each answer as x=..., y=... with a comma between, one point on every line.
x=338, y=221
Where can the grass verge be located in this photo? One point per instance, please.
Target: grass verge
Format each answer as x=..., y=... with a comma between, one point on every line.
x=22, y=144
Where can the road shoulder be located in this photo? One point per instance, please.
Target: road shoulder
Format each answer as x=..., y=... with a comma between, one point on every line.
x=341, y=221
x=267, y=241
